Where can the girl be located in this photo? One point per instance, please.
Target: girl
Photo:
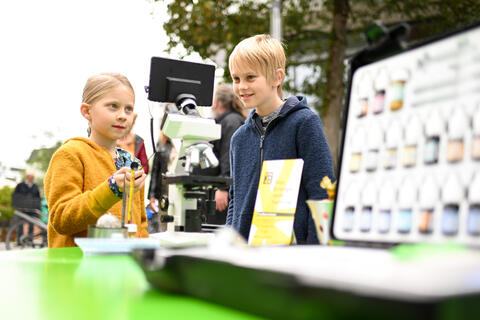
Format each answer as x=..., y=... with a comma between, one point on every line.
x=85, y=177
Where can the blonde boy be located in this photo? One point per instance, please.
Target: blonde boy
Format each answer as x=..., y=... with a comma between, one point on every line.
x=277, y=129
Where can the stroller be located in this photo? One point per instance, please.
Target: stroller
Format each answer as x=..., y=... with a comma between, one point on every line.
x=27, y=211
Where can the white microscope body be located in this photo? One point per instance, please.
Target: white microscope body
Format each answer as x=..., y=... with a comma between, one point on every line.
x=195, y=151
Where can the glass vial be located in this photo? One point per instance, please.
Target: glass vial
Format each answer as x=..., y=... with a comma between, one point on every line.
x=393, y=135
x=428, y=197
x=450, y=219
x=407, y=198
x=364, y=90
x=412, y=133
x=456, y=129
x=348, y=219
x=366, y=219
x=386, y=198
x=357, y=142
x=397, y=89
x=433, y=129
x=475, y=151
x=374, y=140
x=380, y=86
x=473, y=220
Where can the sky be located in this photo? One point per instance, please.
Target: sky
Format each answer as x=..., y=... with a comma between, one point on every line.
x=49, y=48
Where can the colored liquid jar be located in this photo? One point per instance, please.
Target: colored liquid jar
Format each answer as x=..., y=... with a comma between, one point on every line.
x=378, y=102
x=372, y=160
x=409, y=156
x=413, y=133
x=428, y=197
x=398, y=92
x=386, y=198
x=404, y=220
x=366, y=219
x=384, y=219
x=473, y=220
x=393, y=135
x=457, y=125
x=348, y=219
x=432, y=147
x=455, y=150
x=425, y=220
x=380, y=85
x=355, y=162
x=362, y=107
x=357, y=143
x=434, y=127
x=390, y=158
x=374, y=141
x=476, y=148
x=450, y=220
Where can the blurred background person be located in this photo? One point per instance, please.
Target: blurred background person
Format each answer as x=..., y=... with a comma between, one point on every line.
x=162, y=162
x=134, y=144
x=230, y=113
x=26, y=197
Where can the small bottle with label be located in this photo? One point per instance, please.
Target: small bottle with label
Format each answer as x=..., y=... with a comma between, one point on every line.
x=357, y=142
x=412, y=131
x=407, y=197
x=364, y=90
x=433, y=129
x=368, y=200
x=386, y=200
x=374, y=140
x=393, y=135
x=457, y=125
x=428, y=197
x=380, y=86
x=476, y=135
x=351, y=198
x=397, y=89
x=473, y=218
x=452, y=195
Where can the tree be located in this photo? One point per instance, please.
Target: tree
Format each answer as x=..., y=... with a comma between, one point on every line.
x=317, y=33
x=40, y=158
x=6, y=210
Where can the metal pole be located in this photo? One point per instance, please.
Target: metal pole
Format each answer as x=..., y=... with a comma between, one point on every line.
x=276, y=19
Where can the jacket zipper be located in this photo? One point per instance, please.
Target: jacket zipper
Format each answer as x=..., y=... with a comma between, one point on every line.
x=262, y=138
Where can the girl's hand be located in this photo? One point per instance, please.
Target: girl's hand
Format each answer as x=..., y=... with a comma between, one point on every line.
x=139, y=177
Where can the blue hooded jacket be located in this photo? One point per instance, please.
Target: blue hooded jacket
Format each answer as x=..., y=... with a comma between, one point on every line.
x=297, y=132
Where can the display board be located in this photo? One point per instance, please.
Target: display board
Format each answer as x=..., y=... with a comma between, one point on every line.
x=410, y=167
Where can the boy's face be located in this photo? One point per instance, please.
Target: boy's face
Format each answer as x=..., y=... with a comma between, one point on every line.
x=255, y=90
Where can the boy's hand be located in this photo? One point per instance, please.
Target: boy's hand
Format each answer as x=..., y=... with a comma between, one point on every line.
x=139, y=177
x=221, y=199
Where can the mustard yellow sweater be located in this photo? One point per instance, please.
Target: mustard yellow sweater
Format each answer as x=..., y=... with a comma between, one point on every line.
x=77, y=192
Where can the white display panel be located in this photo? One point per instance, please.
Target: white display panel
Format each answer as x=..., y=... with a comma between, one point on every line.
x=410, y=169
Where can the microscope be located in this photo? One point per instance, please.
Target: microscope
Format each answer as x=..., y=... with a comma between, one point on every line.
x=191, y=198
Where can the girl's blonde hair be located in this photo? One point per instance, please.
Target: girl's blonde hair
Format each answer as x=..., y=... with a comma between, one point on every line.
x=99, y=85
x=261, y=53
x=225, y=95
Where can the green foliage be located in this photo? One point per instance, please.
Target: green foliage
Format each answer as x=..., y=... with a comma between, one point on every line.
x=40, y=158
x=209, y=27
x=6, y=210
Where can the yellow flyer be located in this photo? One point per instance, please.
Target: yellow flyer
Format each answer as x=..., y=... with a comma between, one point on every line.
x=276, y=202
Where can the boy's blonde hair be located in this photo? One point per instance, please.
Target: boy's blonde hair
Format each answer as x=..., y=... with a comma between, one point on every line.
x=99, y=84
x=261, y=53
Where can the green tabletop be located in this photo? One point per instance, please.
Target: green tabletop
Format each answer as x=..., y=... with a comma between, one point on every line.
x=65, y=284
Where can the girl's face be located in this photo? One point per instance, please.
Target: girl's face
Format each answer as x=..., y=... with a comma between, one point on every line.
x=112, y=116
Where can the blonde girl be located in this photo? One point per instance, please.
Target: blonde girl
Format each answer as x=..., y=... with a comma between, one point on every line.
x=85, y=177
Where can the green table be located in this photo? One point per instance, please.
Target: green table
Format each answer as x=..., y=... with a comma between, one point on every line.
x=65, y=284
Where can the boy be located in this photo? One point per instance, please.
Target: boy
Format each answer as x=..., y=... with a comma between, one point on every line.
x=276, y=129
